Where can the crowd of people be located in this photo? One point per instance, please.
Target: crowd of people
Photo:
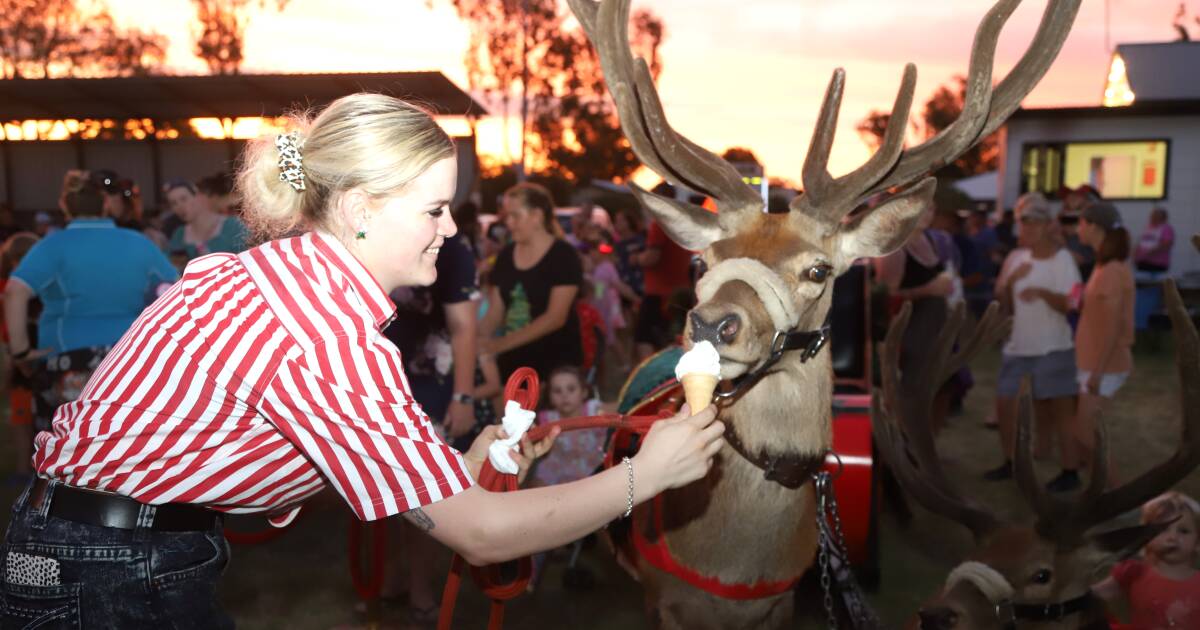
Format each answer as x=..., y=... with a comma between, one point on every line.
x=251, y=357
x=341, y=350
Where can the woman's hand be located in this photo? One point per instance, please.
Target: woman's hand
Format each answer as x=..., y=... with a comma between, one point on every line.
x=941, y=286
x=1093, y=383
x=530, y=452
x=679, y=451
x=490, y=346
x=460, y=418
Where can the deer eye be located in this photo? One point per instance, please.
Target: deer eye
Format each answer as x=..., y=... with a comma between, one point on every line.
x=1042, y=577
x=818, y=273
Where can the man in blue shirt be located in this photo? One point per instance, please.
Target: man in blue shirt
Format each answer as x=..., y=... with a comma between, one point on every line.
x=93, y=278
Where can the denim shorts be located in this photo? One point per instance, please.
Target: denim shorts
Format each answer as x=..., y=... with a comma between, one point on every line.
x=1053, y=375
x=62, y=574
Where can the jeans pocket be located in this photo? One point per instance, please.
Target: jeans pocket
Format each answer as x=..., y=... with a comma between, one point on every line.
x=183, y=557
x=45, y=607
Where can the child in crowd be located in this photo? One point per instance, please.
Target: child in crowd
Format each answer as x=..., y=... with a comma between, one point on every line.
x=576, y=453
x=607, y=292
x=20, y=392
x=1162, y=587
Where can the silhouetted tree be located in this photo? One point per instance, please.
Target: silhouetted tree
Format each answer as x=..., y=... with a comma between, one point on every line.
x=221, y=33
x=740, y=154
x=943, y=108
x=574, y=132
x=60, y=38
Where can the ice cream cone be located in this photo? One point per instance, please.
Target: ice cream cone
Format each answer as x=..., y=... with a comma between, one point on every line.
x=698, y=390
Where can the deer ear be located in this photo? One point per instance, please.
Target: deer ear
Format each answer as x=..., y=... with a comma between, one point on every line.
x=1117, y=544
x=884, y=229
x=692, y=227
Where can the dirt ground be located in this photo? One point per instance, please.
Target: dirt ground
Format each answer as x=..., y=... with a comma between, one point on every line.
x=302, y=579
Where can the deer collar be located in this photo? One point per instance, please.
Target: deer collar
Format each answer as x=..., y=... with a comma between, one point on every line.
x=790, y=470
x=1009, y=612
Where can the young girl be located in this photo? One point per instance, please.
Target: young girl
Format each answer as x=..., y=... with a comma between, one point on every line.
x=608, y=290
x=1163, y=586
x=576, y=454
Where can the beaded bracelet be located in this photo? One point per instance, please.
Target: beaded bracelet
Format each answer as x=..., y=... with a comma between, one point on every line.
x=629, y=505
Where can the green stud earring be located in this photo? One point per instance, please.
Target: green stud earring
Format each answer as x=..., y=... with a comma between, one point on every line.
x=361, y=232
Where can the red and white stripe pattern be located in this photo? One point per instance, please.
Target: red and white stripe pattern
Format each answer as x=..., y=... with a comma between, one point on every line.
x=252, y=382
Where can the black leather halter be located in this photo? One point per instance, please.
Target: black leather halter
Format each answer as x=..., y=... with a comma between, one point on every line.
x=790, y=470
x=810, y=341
x=1009, y=613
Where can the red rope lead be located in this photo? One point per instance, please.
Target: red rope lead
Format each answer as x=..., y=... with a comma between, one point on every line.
x=502, y=582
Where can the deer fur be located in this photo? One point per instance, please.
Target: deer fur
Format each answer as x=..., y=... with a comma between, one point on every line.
x=773, y=273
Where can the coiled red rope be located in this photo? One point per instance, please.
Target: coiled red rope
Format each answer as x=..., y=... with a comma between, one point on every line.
x=502, y=582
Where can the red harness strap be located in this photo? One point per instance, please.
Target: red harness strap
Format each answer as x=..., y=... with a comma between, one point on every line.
x=507, y=580
x=658, y=554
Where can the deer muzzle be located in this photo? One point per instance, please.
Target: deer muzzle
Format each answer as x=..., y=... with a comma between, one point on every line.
x=722, y=331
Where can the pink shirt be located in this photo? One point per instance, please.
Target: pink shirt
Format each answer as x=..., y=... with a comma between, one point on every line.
x=1157, y=602
x=1152, y=237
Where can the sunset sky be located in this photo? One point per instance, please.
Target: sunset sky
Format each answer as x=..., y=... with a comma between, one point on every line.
x=736, y=72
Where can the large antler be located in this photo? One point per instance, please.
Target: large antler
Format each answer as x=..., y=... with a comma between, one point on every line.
x=984, y=110
x=905, y=414
x=668, y=153
x=1064, y=519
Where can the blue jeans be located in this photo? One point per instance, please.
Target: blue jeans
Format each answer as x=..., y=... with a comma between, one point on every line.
x=62, y=574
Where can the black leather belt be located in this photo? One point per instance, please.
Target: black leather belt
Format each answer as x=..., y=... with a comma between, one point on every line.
x=113, y=510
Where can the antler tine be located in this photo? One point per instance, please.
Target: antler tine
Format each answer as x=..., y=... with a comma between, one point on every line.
x=657, y=145
x=832, y=198
x=1187, y=456
x=1052, y=32
x=1099, y=477
x=984, y=111
x=927, y=484
x=1046, y=508
x=991, y=328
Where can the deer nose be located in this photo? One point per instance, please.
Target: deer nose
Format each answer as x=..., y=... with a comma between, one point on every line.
x=723, y=331
x=938, y=619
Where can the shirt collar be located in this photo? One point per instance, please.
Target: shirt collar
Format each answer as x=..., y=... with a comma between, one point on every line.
x=364, y=285
x=91, y=222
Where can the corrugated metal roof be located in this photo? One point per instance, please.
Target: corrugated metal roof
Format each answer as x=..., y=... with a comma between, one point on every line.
x=180, y=97
x=1167, y=71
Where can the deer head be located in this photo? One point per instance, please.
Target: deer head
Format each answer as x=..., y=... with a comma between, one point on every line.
x=771, y=273
x=1050, y=565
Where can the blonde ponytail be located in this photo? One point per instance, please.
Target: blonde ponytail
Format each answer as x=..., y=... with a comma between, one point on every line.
x=372, y=142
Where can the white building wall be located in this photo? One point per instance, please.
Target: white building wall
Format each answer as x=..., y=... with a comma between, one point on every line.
x=1183, y=168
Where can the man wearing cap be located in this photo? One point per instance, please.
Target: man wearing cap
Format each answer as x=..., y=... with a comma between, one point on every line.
x=93, y=278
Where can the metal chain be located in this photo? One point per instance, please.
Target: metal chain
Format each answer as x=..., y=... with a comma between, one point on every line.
x=833, y=541
x=823, y=552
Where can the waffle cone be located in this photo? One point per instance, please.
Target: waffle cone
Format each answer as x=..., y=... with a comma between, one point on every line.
x=698, y=390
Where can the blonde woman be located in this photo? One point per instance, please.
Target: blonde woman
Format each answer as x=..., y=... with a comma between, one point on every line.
x=261, y=377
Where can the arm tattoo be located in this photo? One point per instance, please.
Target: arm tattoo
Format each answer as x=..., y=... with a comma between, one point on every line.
x=419, y=518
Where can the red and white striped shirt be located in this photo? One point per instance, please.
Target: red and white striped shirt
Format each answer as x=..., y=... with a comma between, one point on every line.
x=255, y=380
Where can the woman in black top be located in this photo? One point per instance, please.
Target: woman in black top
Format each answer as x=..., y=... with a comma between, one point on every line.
x=531, y=318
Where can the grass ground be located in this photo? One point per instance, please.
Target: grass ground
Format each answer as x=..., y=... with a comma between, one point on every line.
x=302, y=579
